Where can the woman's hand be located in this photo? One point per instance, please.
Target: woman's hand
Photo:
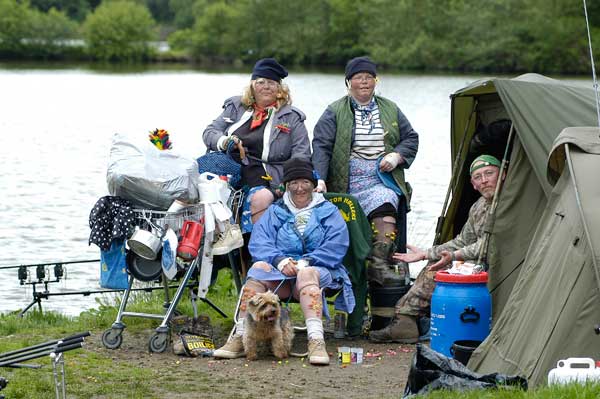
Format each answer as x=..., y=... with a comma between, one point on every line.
x=290, y=269
x=443, y=263
x=321, y=186
x=233, y=138
x=390, y=162
x=416, y=254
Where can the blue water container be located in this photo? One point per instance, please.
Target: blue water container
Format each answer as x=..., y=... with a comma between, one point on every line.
x=461, y=309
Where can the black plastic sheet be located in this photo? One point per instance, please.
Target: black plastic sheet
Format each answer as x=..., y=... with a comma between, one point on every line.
x=430, y=371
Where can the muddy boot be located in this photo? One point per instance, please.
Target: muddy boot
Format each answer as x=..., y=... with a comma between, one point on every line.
x=380, y=271
x=403, y=329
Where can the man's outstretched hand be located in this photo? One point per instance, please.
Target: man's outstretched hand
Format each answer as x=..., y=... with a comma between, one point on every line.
x=416, y=254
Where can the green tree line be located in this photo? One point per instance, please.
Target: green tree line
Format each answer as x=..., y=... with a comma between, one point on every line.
x=547, y=36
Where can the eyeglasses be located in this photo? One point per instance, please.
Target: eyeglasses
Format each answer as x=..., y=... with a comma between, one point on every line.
x=265, y=83
x=363, y=78
x=487, y=173
x=299, y=183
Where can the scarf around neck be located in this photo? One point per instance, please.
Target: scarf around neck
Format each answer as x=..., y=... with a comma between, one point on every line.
x=365, y=111
x=260, y=114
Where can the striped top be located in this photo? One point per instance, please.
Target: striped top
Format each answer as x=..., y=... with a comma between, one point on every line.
x=368, y=138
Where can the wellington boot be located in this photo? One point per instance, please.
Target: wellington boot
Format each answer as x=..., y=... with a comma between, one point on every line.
x=403, y=329
x=380, y=271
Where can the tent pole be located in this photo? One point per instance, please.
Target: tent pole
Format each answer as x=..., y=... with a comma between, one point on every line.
x=453, y=179
x=489, y=222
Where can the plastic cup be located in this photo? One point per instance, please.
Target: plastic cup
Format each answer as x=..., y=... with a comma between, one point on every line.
x=358, y=355
x=344, y=355
x=176, y=206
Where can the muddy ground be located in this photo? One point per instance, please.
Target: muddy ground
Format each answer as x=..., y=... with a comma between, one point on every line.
x=382, y=374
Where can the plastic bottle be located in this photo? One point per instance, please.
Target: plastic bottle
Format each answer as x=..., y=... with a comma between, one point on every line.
x=574, y=369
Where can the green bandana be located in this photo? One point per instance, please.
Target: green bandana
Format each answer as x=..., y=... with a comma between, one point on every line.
x=483, y=161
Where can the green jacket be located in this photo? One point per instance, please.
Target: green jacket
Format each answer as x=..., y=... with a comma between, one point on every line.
x=334, y=134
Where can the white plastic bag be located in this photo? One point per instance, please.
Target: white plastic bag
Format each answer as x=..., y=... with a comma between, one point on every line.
x=149, y=177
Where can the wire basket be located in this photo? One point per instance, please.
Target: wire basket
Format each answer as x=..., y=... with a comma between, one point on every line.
x=148, y=219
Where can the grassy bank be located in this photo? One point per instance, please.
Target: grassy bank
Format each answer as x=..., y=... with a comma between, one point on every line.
x=95, y=374
x=131, y=372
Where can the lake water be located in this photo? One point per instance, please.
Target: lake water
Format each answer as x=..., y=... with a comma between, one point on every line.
x=58, y=123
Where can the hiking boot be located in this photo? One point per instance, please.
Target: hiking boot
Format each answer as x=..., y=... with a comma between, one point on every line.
x=403, y=329
x=229, y=240
x=381, y=271
x=233, y=349
x=317, y=352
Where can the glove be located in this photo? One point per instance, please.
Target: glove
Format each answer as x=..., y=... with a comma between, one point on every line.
x=321, y=186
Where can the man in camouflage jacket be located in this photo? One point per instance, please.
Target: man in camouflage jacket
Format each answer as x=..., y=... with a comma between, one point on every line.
x=416, y=303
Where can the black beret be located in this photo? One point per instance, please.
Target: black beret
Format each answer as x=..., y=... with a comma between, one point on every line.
x=360, y=64
x=298, y=168
x=270, y=69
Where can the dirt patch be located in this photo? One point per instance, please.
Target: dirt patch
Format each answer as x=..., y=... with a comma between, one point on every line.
x=383, y=372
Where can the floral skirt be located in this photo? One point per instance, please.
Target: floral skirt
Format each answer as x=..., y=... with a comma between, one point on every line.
x=366, y=186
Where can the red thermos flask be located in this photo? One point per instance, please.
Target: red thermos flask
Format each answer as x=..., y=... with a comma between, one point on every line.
x=191, y=236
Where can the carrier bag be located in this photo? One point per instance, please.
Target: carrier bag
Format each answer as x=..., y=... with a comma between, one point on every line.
x=430, y=371
x=148, y=177
x=113, y=267
x=223, y=164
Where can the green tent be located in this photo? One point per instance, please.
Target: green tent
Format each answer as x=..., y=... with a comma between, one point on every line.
x=543, y=285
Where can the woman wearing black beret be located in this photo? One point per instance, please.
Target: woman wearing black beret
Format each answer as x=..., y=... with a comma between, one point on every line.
x=270, y=130
x=362, y=143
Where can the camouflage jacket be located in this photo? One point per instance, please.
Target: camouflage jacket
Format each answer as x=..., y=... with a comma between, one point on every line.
x=470, y=237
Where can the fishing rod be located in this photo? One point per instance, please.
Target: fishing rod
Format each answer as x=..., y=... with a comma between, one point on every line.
x=9, y=359
x=44, y=344
x=49, y=264
x=490, y=219
x=57, y=350
x=453, y=178
x=38, y=296
x=17, y=357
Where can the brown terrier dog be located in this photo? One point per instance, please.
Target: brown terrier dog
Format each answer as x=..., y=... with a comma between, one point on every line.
x=267, y=322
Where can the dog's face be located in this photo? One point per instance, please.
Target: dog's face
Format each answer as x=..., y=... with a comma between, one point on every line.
x=264, y=307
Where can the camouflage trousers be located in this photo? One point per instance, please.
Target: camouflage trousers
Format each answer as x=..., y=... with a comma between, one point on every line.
x=417, y=301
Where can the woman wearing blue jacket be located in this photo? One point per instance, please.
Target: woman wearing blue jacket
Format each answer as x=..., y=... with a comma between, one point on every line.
x=297, y=248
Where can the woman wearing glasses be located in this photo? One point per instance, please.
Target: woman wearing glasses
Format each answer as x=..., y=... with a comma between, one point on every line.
x=297, y=248
x=362, y=144
x=271, y=132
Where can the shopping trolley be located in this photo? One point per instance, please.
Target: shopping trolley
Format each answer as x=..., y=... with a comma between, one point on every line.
x=145, y=270
x=236, y=203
